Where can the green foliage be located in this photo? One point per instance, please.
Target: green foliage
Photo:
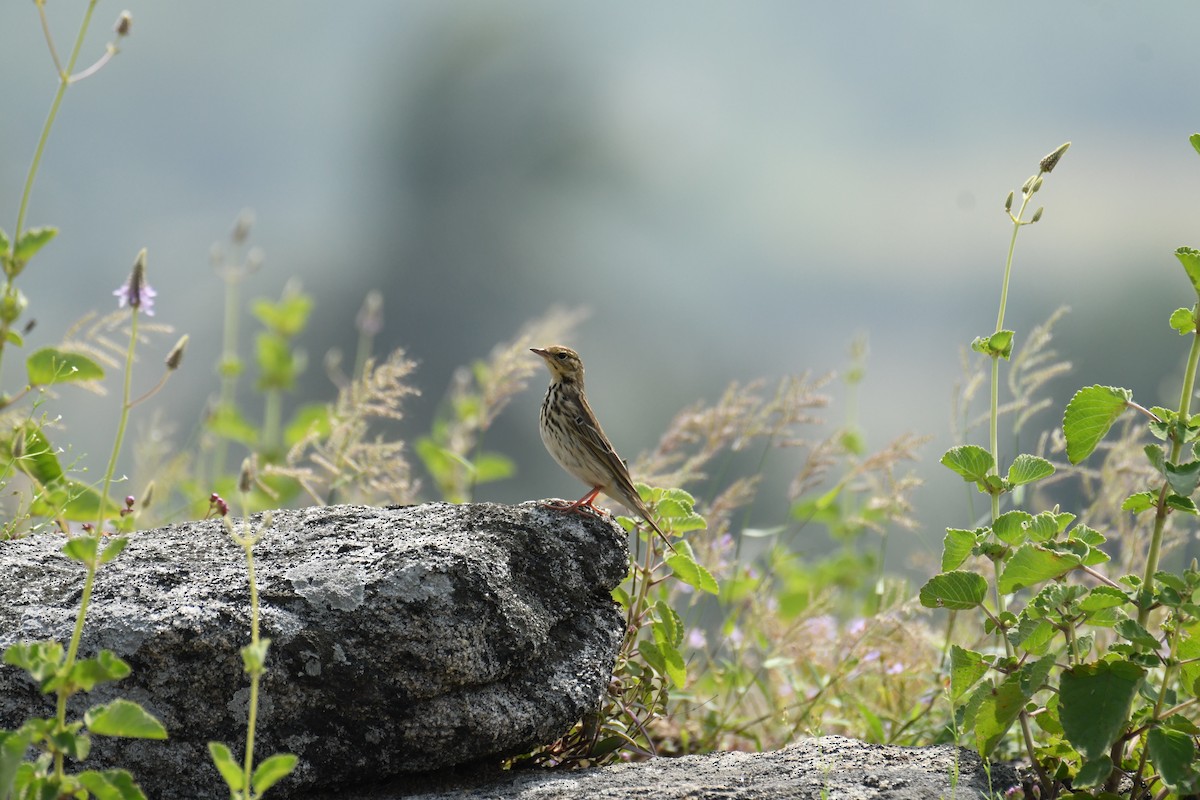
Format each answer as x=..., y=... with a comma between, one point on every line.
x=1089, y=417
x=1107, y=672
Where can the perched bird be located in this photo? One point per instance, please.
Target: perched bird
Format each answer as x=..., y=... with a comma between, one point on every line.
x=573, y=436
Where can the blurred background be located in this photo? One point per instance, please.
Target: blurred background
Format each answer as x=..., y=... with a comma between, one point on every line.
x=732, y=190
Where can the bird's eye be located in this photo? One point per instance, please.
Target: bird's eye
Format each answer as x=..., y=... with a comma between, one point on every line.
x=562, y=356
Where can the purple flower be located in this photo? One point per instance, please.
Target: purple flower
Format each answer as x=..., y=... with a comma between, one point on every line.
x=696, y=639
x=135, y=291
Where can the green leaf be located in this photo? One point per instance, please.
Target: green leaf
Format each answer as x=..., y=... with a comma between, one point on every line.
x=70, y=500
x=105, y=667
x=1183, y=320
x=999, y=343
x=996, y=714
x=683, y=565
x=1089, y=415
x=38, y=459
x=1183, y=477
x=672, y=661
x=40, y=659
x=957, y=590
x=490, y=467
x=1195, y=140
x=229, y=769
x=1129, y=629
x=111, y=784
x=1012, y=527
x=254, y=655
x=31, y=241
x=1180, y=503
x=1044, y=527
x=51, y=365
x=82, y=548
x=124, y=718
x=113, y=549
x=1027, y=469
x=271, y=771
x=1093, y=773
x=969, y=461
x=228, y=423
x=1102, y=597
x=1031, y=635
x=1031, y=564
x=1173, y=755
x=652, y=655
x=13, y=745
x=311, y=419
x=1190, y=259
x=288, y=316
x=956, y=547
x=966, y=668
x=1094, y=703
x=669, y=624
x=1139, y=502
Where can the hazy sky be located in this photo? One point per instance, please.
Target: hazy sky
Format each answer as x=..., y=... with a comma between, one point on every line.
x=733, y=189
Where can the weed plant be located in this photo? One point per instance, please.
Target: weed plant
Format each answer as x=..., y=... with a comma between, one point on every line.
x=1067, y=642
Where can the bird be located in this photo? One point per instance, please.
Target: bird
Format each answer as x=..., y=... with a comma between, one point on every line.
x=575, y=439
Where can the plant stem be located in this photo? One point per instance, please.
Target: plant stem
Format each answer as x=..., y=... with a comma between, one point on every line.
x=90, y=579
x=126, y=391
x=248, y=546
x=64, y=80
x=1160, y=516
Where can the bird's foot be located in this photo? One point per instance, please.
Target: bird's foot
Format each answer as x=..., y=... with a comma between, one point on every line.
x=576, y=507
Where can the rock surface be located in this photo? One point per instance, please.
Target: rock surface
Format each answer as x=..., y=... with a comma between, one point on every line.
x=830, y=767
x=403, y=639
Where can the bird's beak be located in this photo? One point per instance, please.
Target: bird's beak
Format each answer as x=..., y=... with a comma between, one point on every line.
x=541, y=353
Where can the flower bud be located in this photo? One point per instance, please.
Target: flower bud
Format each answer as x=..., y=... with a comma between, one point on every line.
x=147, y=495
x=241, y=227
x=176, y=355
x=124, y=24
x=1008, y=202
x=246, y=478
x=1037, y=214
x=1036, y=186
x=370, y=316
x=12, y=304
x=1048, y=163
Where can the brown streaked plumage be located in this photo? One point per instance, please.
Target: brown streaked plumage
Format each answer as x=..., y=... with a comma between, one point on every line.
x=574, y=438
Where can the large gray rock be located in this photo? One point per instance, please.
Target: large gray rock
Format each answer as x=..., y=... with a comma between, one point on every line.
x=830, y=767
x=403, y=639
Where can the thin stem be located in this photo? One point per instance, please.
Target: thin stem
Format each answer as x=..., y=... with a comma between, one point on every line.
x=272, y=420
x=72, y=651
x=64, y=80
x=248, y=546
x=1160, y=516
x=126, y=391
x=229, y=365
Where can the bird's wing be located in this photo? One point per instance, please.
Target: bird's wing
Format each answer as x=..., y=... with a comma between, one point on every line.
x=599, y=445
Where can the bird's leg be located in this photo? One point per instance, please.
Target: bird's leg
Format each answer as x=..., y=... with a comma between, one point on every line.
x=585, y=502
